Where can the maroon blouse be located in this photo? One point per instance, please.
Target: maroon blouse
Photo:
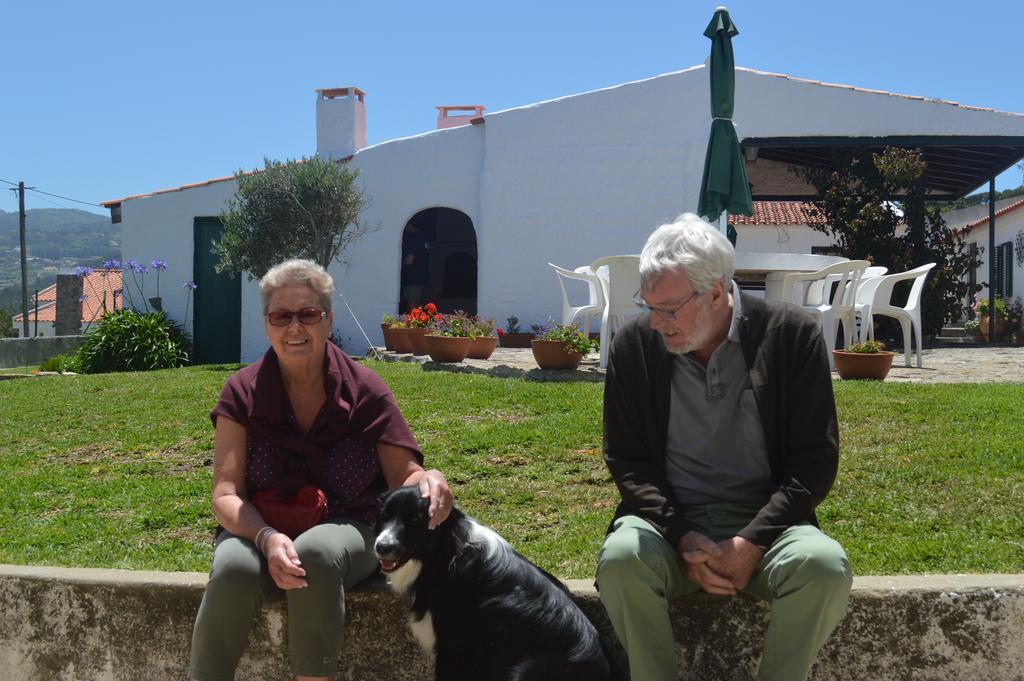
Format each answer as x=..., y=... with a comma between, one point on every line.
x=338, y=454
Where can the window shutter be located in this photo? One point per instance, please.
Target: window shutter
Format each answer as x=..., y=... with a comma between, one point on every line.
x=997, y=272
x=1006, y=259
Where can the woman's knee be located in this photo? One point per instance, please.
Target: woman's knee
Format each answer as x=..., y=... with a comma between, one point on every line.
x=237, y=569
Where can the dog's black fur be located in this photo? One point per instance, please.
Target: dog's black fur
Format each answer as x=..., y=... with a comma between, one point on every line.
x=486, y=612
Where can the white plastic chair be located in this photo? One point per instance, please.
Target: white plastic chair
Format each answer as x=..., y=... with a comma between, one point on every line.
x=595, y=304
x=875, y=297
x=619, y=286
x=832, y=305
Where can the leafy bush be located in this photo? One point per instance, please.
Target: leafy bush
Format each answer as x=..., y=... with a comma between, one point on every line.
x=126, y=340
x=61, y=363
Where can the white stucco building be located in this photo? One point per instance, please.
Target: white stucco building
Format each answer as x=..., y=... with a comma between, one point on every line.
x=563, y=181
x=1009, y=249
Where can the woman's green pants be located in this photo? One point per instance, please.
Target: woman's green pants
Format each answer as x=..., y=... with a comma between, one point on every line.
x=336, y=555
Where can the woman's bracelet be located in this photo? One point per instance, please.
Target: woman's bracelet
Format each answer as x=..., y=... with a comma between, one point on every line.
x=262, y=536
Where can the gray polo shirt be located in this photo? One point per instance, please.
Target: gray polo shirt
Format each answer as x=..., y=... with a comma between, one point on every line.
x=716, y=449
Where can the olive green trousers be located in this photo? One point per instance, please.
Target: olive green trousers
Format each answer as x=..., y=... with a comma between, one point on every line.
x=336, y=556
x=805, y=575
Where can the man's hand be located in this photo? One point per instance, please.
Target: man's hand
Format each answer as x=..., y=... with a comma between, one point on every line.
x=698, y=552
x=283, y=562
x=736, y=560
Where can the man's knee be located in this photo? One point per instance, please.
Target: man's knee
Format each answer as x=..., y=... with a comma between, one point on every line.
x=629, y=555
x=826, y=567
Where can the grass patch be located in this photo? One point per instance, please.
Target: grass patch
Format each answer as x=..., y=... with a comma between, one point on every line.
x=114, y=470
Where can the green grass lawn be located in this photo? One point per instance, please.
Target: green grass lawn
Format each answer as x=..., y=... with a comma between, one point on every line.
x=114, y=470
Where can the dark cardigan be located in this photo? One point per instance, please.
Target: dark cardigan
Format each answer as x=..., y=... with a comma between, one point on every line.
x=790, y=377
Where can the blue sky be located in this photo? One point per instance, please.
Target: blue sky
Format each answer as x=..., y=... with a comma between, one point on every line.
x=102, y=100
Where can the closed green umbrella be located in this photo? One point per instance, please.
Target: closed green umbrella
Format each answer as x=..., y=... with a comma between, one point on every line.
x=723, y=187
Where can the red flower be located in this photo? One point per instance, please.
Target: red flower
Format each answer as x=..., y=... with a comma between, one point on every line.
x=501, y=332
x=430, y=308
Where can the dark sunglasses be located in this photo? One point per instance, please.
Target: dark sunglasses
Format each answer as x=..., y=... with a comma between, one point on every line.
x=307, y=315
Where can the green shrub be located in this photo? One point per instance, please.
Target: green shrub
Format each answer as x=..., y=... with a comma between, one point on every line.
x=61, y=363
x=126, y=340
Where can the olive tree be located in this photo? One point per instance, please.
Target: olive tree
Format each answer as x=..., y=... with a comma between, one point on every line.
x=307, y=208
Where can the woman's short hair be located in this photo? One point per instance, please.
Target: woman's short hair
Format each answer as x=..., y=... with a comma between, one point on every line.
x=302, y=273
x=691, y=246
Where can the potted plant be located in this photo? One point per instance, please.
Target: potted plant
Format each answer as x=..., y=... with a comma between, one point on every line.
x=560, y=347
x=972, y=327
x=512, y=336
x=869, y=360
x=484, y=340
x=1002, y=316
x=418, y=321
x=449, y=340
x=386, y=323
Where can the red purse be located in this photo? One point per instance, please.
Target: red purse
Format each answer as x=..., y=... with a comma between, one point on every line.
x=293, y=515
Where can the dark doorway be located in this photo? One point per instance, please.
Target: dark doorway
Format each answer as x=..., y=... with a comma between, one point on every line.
x=217, y=301
x=439, y=261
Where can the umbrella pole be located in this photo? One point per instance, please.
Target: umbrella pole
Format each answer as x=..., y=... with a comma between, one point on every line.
x=723, y=223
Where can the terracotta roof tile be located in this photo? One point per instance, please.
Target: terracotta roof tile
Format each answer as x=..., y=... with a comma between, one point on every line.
x=778, y=213
x=999, y=213
x=96, y=287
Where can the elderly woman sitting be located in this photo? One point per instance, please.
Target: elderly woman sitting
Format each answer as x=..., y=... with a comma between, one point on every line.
x=304, y=414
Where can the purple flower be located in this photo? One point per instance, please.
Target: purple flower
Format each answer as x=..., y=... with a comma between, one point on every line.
x=190, y=285
x=83, y=299
x=83, y=272
x=135, y=266
x=158, y=265
x=114, y=264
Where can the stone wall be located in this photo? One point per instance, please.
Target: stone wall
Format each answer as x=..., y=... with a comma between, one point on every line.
x=31, y=352
x=110, y=625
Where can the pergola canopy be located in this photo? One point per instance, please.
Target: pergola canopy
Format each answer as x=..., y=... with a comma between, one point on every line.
x=955, y=164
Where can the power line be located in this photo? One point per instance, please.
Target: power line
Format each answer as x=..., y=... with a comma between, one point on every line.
x=66, y=198
x=58, y=196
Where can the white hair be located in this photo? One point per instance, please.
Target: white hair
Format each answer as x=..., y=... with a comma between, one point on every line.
x=301, y=273
x=691, y=246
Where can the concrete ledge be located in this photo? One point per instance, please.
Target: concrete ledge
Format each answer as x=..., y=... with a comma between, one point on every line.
x=88, y=624
x=26, y=352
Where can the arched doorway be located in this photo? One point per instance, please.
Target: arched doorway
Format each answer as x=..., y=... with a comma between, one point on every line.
x=439, y=261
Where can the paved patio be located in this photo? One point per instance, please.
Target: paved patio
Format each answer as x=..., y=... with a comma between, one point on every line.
x=956, y=364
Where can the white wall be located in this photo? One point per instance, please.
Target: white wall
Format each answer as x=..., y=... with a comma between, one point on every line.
x=565, y=181
x=1007, y=227
x=780, y=239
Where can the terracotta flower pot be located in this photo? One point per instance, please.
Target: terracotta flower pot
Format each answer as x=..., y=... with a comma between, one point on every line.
x=482, y=347
x=448, y=348
x=389, y=343
x=515, y=340
x=551, y=354
x=400, y=339
x=416, y=340
x=871, y=365
x=1000, y=327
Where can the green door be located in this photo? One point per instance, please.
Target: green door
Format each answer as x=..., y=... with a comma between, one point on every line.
x=218, y=301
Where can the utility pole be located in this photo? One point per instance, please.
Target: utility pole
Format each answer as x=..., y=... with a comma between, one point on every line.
x=24, y=262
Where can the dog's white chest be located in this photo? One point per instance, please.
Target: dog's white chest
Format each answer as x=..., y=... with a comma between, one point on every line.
x=401, y=580
x=423, y=631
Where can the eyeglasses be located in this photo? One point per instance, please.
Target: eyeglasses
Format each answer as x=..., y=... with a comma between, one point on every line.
x=669, y=315
x=309, y=316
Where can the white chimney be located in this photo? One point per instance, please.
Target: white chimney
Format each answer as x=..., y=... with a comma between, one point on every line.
x=340, y=122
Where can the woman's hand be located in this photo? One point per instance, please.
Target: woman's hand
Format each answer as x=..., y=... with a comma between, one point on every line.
x=433, y=486
x=283, y=562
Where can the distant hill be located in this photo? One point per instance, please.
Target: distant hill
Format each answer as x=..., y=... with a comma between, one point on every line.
x=55, y=238
x=981, y=198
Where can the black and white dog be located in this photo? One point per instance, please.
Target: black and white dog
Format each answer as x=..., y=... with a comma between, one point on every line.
x=485, y=612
